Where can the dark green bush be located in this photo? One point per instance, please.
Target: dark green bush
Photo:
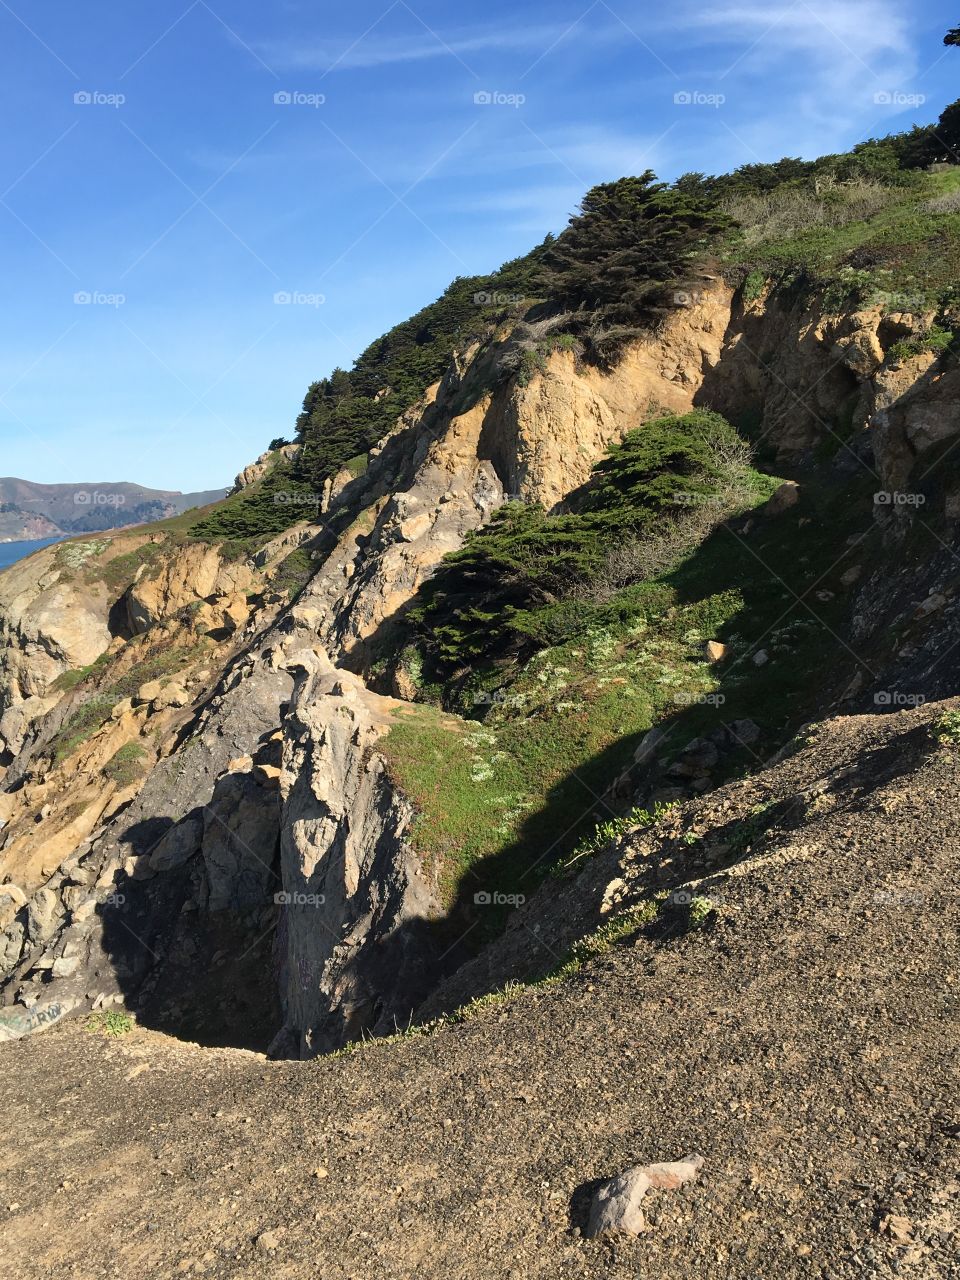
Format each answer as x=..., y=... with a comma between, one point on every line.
x=513, y=585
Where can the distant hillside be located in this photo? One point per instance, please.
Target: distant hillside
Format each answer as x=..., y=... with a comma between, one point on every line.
x=17, y=525
x=29, y=510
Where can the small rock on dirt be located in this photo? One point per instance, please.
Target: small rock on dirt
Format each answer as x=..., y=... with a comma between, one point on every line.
x=617, y=1204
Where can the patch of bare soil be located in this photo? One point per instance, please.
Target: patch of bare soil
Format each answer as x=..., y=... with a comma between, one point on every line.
x=803, y=1039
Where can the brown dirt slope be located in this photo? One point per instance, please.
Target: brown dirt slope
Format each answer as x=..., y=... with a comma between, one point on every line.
x=803, y=1038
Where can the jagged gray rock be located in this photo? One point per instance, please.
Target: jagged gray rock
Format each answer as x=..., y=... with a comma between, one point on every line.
x=357, y=898
x=617, y=1204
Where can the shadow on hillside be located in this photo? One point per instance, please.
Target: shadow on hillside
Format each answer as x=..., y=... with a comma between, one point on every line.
x=206, y=976
x=214, y=979
x=790, y=660
x=538, y=939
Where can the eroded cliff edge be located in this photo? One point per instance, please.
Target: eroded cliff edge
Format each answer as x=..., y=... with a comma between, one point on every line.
x=254, y=872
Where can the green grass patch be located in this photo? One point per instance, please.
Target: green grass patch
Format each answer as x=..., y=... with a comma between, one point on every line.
x=293, y=573
x=357, y=465
x=95, y=710
x=167, y=662
x=499, y=802
x=604, y=834
x=90, y=717
x=754, y=285
x=902, y=254
x=71, y=679
x=946, y=730
x=126, y=765
x=936, y=340
x=523, y=786
x=559, y=685
x=121, y=570
x=109, y=1022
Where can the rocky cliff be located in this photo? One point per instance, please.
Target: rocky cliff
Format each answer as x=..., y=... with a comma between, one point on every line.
x=248, y=874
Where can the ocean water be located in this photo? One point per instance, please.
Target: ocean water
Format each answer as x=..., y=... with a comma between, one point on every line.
x=11, y=552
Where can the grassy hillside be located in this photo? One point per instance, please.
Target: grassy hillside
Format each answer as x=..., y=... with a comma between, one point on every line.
x=562, y=639
x=870, y=223
x=870, y=242
x=523, y=785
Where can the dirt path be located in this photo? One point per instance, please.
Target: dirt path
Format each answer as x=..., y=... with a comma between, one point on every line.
x=805, y=1043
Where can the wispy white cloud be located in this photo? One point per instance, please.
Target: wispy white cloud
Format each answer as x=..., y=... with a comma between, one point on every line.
x=806, y=71
x=535, y=208
x=535, y=182
x=850, y=50
x=377, y=49
x=866, y=33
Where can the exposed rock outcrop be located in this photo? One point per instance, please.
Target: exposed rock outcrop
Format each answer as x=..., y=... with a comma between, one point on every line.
x=193, y=574
x=51, y=622
x=813, y=376
x=257, y=470
x=258, y=787
x=357, y=900
x=480, y=438
x=130, y=906
x=544, y=437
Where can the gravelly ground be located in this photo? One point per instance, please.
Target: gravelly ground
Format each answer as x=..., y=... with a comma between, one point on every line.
x=804, y=1042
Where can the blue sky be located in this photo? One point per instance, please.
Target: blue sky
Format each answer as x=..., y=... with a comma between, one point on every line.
x=180, y=165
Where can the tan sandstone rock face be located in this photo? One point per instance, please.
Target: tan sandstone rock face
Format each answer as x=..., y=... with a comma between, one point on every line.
x=380, y=563
x=50, y=622
x=54, y=615
x=449, y=467
x=193, y=574
x=547, y=436
x=808, y=374
x=257, y=470
x=916, y=410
